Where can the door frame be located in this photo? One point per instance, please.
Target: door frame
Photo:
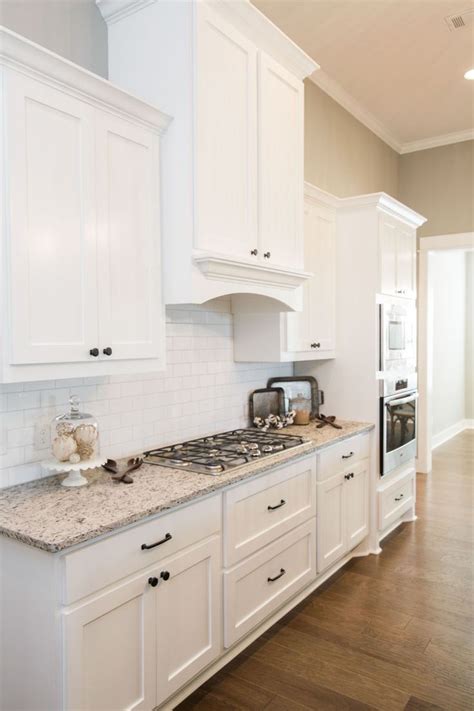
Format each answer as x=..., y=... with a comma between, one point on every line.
x=427, y=247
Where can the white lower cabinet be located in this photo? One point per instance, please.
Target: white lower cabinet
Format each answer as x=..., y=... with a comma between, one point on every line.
x=188, y=616
x=265, y=581
x=396, y=497
x=131, y=621
x=135, y=645
x=110, y=660
x=342, y=513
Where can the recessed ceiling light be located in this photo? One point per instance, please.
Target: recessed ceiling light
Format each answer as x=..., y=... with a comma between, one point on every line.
x=469, y=74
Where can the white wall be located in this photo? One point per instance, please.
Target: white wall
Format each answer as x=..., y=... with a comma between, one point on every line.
x=202, y=391
x=74, y=29
x=449, y=339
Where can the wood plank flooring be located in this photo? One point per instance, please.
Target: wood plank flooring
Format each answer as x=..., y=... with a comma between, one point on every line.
x=391, y=632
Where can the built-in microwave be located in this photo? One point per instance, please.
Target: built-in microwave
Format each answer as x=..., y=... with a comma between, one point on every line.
x=397, y=336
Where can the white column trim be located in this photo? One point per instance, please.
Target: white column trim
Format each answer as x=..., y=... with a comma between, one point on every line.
x=429, y=245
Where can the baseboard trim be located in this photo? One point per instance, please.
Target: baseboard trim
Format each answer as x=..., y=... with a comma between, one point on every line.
x=450, y=432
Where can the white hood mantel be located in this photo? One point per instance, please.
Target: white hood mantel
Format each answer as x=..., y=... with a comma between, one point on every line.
x=232, y=160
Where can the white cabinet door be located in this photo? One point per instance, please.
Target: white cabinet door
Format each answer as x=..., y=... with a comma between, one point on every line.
x=313, y=329
x=388, y=254
x=130, y=307
x=406, y=261
x=110, y=662
x=357, y=503
x=226, y=134
x=397, y=244
x=280, y=122
x=51, y=224
x=188, y=613
x=331, y=538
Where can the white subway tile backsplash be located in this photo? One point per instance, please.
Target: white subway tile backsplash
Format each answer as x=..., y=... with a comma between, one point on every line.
x=202, y=391
x=23, y=400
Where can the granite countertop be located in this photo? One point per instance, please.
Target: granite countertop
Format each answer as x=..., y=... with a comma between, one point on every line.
x=46, y=515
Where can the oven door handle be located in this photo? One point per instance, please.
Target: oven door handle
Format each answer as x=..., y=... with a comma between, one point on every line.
x=402, y=401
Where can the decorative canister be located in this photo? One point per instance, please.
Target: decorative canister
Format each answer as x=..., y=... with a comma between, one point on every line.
x=302, y=407
x=75, y=435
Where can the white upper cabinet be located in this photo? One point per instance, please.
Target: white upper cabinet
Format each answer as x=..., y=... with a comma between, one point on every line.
x=80, y=243
x=397, y=246
x=52, y=267
x=309, y=334
x=281, y=148
x=128, y=249
x=226, y=166
x=233, y=156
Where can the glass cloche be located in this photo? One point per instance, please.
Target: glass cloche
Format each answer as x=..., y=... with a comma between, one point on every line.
x=74, y=435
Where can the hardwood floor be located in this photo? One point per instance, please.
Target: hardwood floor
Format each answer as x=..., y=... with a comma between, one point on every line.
x=388, y=632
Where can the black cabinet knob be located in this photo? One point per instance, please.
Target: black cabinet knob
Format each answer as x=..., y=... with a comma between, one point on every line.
x=165, y=575
x=107, y=351
x=153, y=582
x=267, y=255
x=254, y=252
x=94, y=352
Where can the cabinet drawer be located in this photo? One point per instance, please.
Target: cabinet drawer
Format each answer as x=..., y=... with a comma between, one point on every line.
x=336, y=458
x=261, y=510
x=396, y=499
x=99, y=564
x=264, y=582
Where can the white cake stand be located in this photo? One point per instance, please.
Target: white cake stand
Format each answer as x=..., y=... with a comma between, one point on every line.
x=74, y=477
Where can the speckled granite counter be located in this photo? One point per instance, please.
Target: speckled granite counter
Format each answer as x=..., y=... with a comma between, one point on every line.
x=46, y=515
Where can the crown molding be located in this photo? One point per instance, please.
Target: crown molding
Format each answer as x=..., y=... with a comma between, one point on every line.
x=444, y=140
x=387, y=204
x=115, y=10
x=342, y=97
x=244, y=16
x=22, y=55
x=266, y=35
x=321, y=197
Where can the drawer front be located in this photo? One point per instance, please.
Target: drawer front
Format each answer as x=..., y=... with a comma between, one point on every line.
x=263, y=583
x=395, y=500
x=259, y=511
x=99, y=564
x=340, y=456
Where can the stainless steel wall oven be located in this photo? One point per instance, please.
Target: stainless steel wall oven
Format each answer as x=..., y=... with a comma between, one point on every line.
x=398, y=422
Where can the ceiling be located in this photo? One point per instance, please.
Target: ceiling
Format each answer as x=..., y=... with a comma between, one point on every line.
x=394, y=64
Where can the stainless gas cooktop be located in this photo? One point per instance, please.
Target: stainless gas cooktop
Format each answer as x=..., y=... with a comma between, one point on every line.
x=222, y=452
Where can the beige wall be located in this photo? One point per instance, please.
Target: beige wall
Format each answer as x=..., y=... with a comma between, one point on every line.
x=439, y=183
x=342, y=156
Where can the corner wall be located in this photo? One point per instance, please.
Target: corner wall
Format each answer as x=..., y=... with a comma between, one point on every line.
x=439, y=183
x=342, y=156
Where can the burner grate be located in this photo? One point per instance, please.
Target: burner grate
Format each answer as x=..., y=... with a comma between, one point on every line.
x=221, y=452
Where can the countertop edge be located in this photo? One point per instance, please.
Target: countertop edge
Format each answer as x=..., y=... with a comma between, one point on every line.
x=310, y=446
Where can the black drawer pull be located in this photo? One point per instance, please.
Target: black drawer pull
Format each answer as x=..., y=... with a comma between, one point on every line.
x=146, y=547
x=348, y=456
x=272, y=580
x=278, y=506
x=399, y=498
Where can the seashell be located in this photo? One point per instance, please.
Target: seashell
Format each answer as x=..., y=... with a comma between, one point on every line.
x=85, y=434
x=65, y=428
x=74, y=458
x=63, y=446
x=86, y=438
